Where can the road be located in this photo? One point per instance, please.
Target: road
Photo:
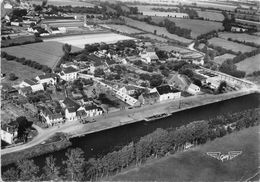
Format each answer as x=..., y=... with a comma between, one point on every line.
x=118, y=118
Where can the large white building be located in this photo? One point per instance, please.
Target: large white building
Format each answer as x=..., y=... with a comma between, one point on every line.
x=33, y=84
x=167, y=92
x=69, y=74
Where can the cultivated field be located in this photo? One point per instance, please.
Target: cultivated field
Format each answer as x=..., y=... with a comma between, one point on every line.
x=196, y=165
x=197, y=27
x=72, y=3
x=215, y=16
x=122, y=28
x=155, y=37
x=222, y=58
x=165, y=14
x=17, y=40
x=159, y=30
x=241, y=37
x=45, y=53
x=229, y=45
x=79, y=41
x=21, y=71
x=250, y=64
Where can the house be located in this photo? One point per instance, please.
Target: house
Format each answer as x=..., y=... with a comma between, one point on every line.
x=81, y=114
x=93, y=110
x=68, y=74
x=71, y=107
x=51, y=118
x=213, y=82
x=48, y=79
x=127, y=99
x=238, y=29
x=129, y=90
x=167, y=92
x=198, y=61
x=193, y=89
x=149, y=98
x=33, y=84
x=70, y=114
x=148, y=56
x=8, y=133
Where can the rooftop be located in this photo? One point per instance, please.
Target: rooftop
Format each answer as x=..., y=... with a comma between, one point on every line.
x=69, y=70
x=30, y=82
x=70, y=103
x=165, y=89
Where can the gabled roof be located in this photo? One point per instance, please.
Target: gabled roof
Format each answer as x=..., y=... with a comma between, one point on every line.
x=151, y=95
x=165, y=89
x=72, y=109
x=91, y=107
x=30, y=82
x=70, y=103
x=69, y=70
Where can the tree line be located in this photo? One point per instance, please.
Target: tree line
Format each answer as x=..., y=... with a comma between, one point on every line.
x=27, y=62
x=159, y=143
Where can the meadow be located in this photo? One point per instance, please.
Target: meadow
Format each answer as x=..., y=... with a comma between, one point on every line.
x=197, y=27
x=222, y=58
x=122, y=28
x=72, y=3
x=159, y=30
x=45, y=53
x=229, y=45
x=214, y=16
x=241, y=37
x=154, y=37
x=79, y=41
x=196, y=165
x=250, y=64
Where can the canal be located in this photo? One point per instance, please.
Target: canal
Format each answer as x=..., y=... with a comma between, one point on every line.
x=100, y=143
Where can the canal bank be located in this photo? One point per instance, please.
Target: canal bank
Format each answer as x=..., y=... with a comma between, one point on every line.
x=100, y=143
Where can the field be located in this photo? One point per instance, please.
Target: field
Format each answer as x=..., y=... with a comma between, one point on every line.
x=222, y=58
x=150, y=28
x=18, y=40
x=250, y=64
x=215, y=16
x=152, y=36
x=241, y=37
x=197, y=27
x=196, y=165
x=79, y=41
x=229, y=45
x=165, y=14
x=122, y=28
x=22, y=71
x=45, y=53
x=72, y=3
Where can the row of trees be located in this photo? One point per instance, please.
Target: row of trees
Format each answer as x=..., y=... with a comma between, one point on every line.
x=230, y=68
x=24, y=61
x=252, y=44
x=173, y=29
x=157, y=144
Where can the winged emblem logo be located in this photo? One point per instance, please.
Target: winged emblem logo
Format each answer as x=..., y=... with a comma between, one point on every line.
x=222, y=157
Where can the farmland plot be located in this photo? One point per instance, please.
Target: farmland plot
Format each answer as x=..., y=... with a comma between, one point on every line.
x=154, y=37
x=222, y=58
x=241, y=37
x=250, y=64
x=122, y=28
x=72, y=3
x=229, y=45
x=215, y=16
x=79, y=41
x=151, y=28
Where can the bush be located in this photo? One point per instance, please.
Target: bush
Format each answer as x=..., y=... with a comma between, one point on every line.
x=12, y=77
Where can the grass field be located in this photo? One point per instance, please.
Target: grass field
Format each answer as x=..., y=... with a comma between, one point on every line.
x=22, y=71
x=45, y=53
x=222, y=58
x=215, y=16
x=150, y=28
x=152, y=36
x=72, y=3
x=229, y=45
x=196, y=165
x=79, y=41
x=122, y=28
x=241, y=37
x=197, y=27
x=250, y=64
x=17, y=40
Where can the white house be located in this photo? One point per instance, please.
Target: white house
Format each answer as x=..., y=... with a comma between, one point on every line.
x=51, y=118
x=68, y=74
x=46, y=79
x=127, y=90
x=213, y=82
x=148, y=56
x=127, y=99
x=70, y=114
x=8, y=133
x=193, y=89
x=71, y=107
x=238, y=29
x=198, y=61
x=33, y=84
x=93, y=110
x=167, y=92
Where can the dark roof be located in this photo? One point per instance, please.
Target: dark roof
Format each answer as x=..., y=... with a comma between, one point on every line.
x=45, y=76
x=30, y=82
x=91, y=107
x=26, y=89
x=72, y=109
x=50, y=114
x=70, y=103
x=81, y=113
x=165, y=89
x=150, y=95
x=69, y=70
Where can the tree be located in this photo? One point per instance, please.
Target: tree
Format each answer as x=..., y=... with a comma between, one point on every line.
x=51, y=171
x=99, y=72
x=221, y=87
x=66, y=49
x=11, y=174
x=23, y=125
x=75, y=164
x=12, y=77
x=28, y=170
x=156, y=80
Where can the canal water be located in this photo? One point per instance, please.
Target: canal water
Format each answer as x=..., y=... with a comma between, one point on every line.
x=100, y=143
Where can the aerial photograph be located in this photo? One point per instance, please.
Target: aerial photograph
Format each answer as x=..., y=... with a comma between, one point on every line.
x=130, y=90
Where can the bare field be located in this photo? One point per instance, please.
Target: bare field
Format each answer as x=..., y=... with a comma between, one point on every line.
x=241, y=37
x=250, y=64
x=229, y=45
x=222, y=58
x=159, y=30
x=79, y=41
x=122, y=28
x=45, y=53
x=21, y=71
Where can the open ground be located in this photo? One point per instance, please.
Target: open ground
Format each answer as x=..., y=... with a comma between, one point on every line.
x=21, y=71
x=196, y=165
x=79, y=41
x=45, y=53
x=250, y=64
x=229, y=45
